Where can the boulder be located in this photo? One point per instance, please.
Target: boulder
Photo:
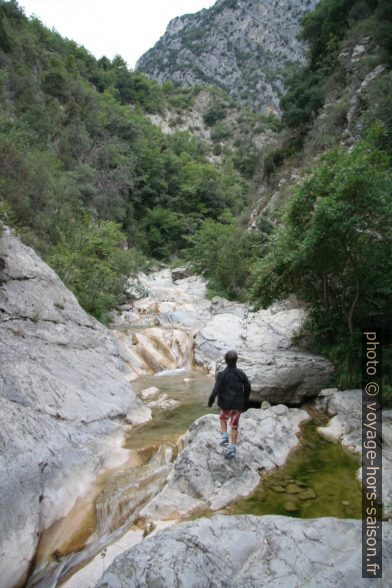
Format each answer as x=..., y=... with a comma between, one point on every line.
x=135, y=289
x=149, y=393
x=205, y=330
x=202, y=478
x=179, y=273
x=278, y=372
x=64, y=381
x=285, y=376
x=250, y=551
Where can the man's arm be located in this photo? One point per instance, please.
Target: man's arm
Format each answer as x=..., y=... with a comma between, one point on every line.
x=214, y=393
x=247, y=386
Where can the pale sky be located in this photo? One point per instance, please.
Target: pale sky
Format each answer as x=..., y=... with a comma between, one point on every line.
x=107, y=27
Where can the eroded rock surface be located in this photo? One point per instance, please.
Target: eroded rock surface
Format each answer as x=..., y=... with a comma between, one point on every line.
x=63, y=384
x=249, y=551
x=202, y=478
x=175, y=324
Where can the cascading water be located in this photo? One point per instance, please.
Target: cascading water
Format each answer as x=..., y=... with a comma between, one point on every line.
x=114, y=503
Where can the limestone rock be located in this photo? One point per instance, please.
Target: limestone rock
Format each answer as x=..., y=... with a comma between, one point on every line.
x=138, y=416
x=192, y=328
x=250, y=551
x=155, y=349
x=135, y=289
x=63, y=381
x=203, y=478
x=263, y=340
x=149, y=393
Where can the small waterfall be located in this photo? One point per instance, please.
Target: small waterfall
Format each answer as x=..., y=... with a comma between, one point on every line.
x=127, y=492
x=156, y=349
x=116, y=507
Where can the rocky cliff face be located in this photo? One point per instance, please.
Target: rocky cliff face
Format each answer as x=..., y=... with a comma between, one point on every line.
x=243, y=46
x=63, y=385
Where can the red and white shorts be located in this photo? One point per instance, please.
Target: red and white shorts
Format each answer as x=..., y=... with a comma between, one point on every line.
x=233, y=415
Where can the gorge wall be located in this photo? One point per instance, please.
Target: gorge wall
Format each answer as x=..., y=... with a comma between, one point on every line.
x=242, y=46
x=63, y=388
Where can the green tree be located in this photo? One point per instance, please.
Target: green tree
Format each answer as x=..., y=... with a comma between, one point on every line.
x=334, y=250
x=224, y=252
x=91, y=260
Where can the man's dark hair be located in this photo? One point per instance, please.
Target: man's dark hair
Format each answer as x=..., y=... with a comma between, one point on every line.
x=231, y=358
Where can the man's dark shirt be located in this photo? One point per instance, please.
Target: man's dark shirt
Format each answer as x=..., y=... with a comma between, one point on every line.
x=232, y=388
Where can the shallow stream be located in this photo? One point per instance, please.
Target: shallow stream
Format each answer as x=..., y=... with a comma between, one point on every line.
x=319, y=479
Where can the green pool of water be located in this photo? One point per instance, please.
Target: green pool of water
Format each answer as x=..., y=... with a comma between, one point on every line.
x=318, y=480
x=168, y=425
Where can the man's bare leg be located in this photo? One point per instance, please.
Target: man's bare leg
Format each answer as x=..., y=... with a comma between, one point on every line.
x=225, y=435
x=234, y=436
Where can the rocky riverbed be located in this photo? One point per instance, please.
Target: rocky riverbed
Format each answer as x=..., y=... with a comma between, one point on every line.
x=78, y=440
x=202, y=479
x=172, y=324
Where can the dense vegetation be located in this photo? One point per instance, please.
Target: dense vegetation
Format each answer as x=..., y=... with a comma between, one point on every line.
x=84, y=176
x=333, y=24
x=332, y=246
x=334, y=250
x=98, y=190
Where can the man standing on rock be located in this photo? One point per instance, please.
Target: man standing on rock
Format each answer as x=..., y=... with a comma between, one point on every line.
x=233, y=389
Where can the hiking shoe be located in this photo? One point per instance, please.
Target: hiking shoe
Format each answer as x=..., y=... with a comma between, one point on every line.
x=230, y=454
x=225, y=440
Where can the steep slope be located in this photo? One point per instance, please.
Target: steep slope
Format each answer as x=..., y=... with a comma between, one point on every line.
x=322, y=191
x=78, y=154
x=63, y=382
x=243, y=46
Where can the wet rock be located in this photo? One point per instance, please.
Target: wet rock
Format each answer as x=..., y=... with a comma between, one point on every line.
x=249, y=551
x=156, y=349
x=265, y=439
x=163, y=402
x=277, y=488
x=290, y=506
x=138, y=416
x=307, y=494
x=64, y=381
x=149, y=393
x=292, y=488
